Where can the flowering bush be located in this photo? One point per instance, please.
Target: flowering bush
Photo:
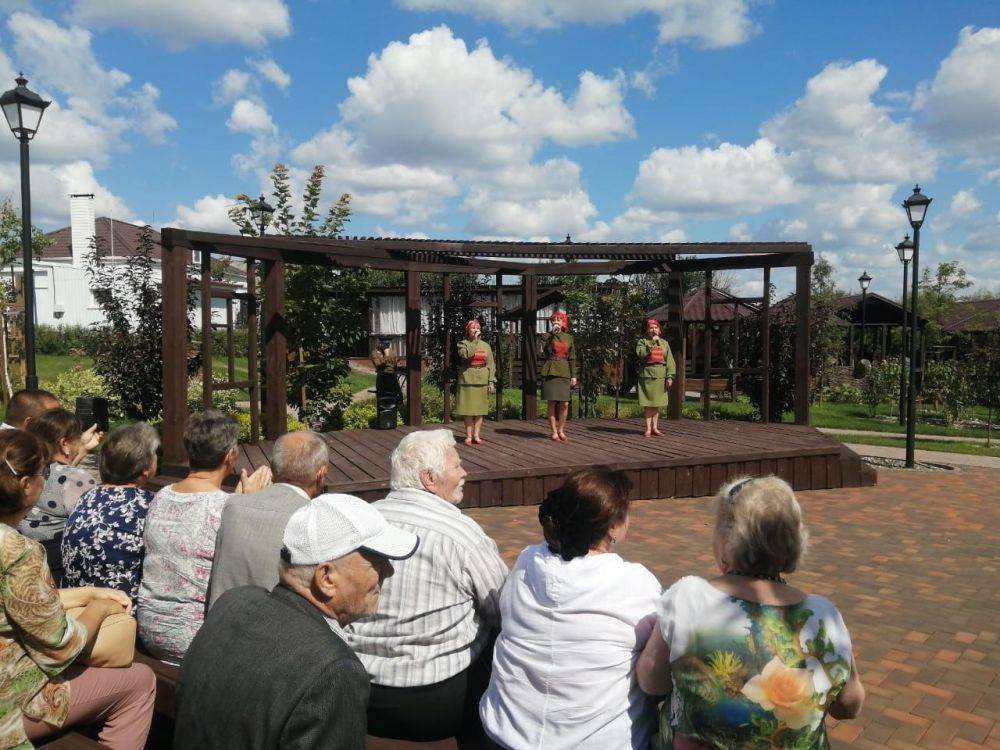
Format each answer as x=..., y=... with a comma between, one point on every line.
x=78, y=381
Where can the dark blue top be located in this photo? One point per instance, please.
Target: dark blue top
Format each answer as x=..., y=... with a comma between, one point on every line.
x=102, y=544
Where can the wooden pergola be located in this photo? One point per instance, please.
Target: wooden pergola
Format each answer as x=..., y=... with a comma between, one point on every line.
x=445, y=257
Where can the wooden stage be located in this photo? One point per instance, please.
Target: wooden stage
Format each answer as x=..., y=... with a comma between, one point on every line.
x=518, y=463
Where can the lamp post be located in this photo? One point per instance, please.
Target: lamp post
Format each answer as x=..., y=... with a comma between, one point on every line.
x=23, y=109
x=916, y=209
x=261, y=211
x=905, y=251
x=865, y=280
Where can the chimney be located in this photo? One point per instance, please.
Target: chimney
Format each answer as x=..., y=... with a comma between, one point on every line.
x=82, y=225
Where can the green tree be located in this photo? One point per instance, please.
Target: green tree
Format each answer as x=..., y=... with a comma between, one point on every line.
x=10, y=235
x=881, y=385
x=938, y=294
x=826, y=334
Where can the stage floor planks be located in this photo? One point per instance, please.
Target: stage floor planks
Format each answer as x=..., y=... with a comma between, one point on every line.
x=518, y=463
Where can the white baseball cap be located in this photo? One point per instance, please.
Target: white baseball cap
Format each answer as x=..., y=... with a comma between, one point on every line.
x=334, y=525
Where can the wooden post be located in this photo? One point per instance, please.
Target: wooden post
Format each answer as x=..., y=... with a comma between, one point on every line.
x=230, y=342
x=678, y=344
x=802, y=295
x=446, y=385
x=883, y=342
x=275, y=350
x=498, y=355
x=765, y=350
x=206, y=330
x=253, y=371
x=413, y=368
x=850, y=344
x=706, y=396
x=529, y=346
x=176, y=255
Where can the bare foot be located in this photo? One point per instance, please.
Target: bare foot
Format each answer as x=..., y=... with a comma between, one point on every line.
x=647, y=433
x=656, y=431
x=555, y=436
x=468, y=440
x=477, y=440
x=562, y=436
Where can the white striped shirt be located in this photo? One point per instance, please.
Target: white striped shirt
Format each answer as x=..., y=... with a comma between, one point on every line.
x=436, y=611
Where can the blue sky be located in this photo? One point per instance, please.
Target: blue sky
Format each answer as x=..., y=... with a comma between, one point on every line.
x=606, y=119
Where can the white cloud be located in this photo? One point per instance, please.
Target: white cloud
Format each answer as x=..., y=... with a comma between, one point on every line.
x=962, y=103
x=740, y=232
x=51, y=185
x=835, y=133
x=707, y=23
x=182, y=23
x=249, y=116
x=209, y=214
x=272, y=72
x=723, y=181
x=149, y=120
x=964, y=203
x=232, y=85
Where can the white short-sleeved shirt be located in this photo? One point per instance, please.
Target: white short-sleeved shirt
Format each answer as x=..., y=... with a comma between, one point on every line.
x=743, y=671
x=563, y=666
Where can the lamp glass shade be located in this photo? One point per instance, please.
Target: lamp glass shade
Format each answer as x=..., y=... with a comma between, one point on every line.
x=865, y=280
x=916, y=207
x=23, y=109
x=905, y=250
x=31, y=117
x=12, y=112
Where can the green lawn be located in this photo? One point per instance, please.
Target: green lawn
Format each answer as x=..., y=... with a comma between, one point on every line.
x=855, y=417
x=361, y=380
x=927, y=444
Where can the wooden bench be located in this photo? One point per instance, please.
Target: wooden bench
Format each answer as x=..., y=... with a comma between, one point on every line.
x=70, y=741
x=166, y=684
x=716, y=386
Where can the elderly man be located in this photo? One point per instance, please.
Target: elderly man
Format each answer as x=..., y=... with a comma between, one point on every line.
x=269, y=669
x=428, y=647
x=250, y=532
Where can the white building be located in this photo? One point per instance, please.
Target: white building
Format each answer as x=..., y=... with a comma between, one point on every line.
x=62, y=286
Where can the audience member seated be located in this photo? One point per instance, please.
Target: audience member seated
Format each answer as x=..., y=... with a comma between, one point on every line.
x=181, y=526
x=249, y=538
x=575, y=618
x=429, y=647
x=65, y=483
x=102, y=544
x=43, y=691
x=27, y=404
x=746, y=658
x=271, y=670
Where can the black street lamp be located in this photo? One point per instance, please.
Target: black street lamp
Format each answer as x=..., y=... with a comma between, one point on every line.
x=261, y=211
x=865, y=280
x=905, y=251
x=23, y=109
x=916, y=209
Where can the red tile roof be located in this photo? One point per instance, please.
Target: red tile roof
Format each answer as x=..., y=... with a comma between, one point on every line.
x=973, y=315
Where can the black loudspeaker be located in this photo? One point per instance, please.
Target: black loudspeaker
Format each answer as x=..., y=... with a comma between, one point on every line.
x=386, y=400
x=93, y=410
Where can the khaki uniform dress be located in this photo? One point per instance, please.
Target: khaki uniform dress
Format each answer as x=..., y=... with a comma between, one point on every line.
x=476, y=372
x=559, y=367
x=657, y=363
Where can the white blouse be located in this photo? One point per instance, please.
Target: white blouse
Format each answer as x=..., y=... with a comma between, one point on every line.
x=563, y=666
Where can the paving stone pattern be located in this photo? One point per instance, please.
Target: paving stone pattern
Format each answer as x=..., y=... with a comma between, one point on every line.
x=912, y=564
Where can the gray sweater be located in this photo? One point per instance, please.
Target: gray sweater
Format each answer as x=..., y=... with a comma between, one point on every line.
x=266, y=671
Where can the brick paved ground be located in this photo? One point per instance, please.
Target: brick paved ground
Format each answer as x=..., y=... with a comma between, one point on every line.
x=913, y=566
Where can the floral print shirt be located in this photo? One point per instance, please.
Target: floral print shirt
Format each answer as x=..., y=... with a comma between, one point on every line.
x=180, y=547
x=62, y=491
x=38, y=640
x=102, y=545
x=749, y=675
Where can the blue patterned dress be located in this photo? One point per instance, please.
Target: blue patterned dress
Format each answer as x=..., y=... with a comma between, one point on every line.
x=102, y=544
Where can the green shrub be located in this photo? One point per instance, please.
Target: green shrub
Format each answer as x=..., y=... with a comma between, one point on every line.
x=950, y=385
x=239, y=342
x=292, y=424
x=881, y=385
x=224, y=401
x=845, y=393
x=62, y=340
x=360, y=415
x=328, y=413
x=78, y=381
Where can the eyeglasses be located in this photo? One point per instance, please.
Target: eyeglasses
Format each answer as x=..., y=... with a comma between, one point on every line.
x=46, y=472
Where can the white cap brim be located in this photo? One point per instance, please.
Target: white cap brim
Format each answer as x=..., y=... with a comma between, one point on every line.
x=393, y=543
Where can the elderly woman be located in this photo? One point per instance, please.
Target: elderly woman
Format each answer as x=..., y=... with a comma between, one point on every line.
x=180, y=532
x=62, y=433
x=476, y=380
x=574, y=616
x=102, y=544
x=43, y=690
x=750, y=661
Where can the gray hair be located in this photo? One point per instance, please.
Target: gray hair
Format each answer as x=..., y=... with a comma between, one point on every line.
x=209, y=436
x=760, y=523
x=297, y=456
x=420, y=451
x=128, y=452
x=302, y=574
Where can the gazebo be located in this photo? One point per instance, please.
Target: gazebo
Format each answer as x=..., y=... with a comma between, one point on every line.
x=525, y=260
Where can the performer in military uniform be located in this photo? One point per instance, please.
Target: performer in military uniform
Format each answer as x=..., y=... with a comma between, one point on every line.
x=382, y=358
x=656, y=375
x=476, y=380
x=558, y=373
x=386, y=383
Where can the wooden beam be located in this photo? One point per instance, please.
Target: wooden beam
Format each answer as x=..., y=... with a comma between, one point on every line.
x=413, y=364
x=737, y=262
x=765, y=350
x=529, y=346
x=676, y=339
x=802, y=295
x=445, y=305
x=706, y=396
x=275, y=351
x=253, y=372
x=206, y=330
x=175, y=256
x=498, y=354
